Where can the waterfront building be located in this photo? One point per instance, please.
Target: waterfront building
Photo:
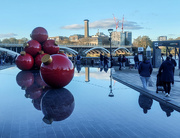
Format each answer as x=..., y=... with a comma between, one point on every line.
x=75, y=37
x=58, y=38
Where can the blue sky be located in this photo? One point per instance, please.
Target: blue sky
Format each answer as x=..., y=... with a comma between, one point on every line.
x=64, y=18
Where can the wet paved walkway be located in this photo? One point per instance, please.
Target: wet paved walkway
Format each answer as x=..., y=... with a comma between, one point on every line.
x=7, y=65
x=130, y=77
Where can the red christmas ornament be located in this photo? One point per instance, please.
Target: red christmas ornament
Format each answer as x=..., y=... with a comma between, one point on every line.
x=25, y=79
x=38, y=59
x=32, y=47
x=62, y=53
x=56, y=70
x=24, y=61
x=57, y=105
x=39, y=34
x=50, y=47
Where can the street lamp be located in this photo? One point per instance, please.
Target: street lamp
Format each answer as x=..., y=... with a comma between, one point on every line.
x=110, y=86
x=110, y=31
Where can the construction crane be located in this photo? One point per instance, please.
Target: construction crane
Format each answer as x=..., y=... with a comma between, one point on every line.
x=122, y=23
x=116, y=22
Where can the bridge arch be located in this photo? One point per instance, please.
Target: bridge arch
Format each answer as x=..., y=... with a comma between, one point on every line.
x=68, y=50
x=10, y=52
x=101, y=49
x=122, y=49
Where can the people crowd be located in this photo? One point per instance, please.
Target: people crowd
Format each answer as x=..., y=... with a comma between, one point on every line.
x=144, y=68
x=6, y=58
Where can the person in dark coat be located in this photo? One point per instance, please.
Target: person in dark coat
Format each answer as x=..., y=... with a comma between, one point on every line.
x=145, y=102
x=101, y=59
x=145, y=69
x=106, y=61
x=166, y=109
x=174, y=63
x=124, y=61
x=166, y=71
x=136, y=61
x=120, y=62
x=10, y=59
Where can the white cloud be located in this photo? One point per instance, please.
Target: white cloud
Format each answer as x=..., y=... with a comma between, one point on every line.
x=105, y=24
x=7, y=35
x=73, y=26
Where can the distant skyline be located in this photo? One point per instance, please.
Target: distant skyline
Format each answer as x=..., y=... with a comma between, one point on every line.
x=64, y=18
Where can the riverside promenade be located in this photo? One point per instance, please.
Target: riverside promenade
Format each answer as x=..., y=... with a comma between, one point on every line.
x=130, y=78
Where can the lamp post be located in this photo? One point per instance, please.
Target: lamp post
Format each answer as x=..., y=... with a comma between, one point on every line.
x=110, y=86
x=110, y=31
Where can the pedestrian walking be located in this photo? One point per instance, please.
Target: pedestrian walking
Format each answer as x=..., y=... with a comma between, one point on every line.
x=10, y=59
x=78, y=59
x=166, y=71
x=120, y=61
x=145, y=69
x=136, y=61
x=174, y=63
x=101, y=59
x=106, y=61
x=124, y=61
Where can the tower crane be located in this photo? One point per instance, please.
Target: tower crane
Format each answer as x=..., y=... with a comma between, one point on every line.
x=122, y=23
x=116, y=22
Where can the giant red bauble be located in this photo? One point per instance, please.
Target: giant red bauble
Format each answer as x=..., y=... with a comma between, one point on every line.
x=62, y=53
x=38, y=59
x=56, y=70
x=50, y=47
x=39, y=34
x=24, y=61
x=32, y=47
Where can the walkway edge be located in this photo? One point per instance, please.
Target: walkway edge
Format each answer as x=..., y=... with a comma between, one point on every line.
x=148, y=93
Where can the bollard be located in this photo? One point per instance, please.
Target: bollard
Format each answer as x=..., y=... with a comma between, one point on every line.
x=148, y=53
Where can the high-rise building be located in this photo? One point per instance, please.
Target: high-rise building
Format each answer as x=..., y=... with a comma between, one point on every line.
x=121, y=38
x=128, y=37
x=162, y=38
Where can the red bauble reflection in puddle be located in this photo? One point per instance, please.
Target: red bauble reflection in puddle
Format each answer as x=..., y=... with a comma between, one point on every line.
x=57, y=105
x=33, y=92
x=56, y=70
x=25, y=79
x=24, y=61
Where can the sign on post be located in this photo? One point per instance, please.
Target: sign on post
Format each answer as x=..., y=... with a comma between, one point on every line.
x=140, y=49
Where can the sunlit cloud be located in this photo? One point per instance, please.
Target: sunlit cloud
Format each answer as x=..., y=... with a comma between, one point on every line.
x=105, y=24
x=7, y=35
x=73, y=26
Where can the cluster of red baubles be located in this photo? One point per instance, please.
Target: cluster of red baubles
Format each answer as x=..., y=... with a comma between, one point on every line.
x=40, y=53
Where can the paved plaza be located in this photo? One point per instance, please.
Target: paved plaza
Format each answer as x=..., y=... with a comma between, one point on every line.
x=130, y=77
